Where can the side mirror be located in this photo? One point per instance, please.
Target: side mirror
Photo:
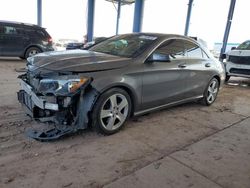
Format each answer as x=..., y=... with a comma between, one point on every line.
x=233, y=48
x=157, y=57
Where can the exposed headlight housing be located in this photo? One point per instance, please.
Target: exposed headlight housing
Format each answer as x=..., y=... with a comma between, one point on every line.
x=61, y=87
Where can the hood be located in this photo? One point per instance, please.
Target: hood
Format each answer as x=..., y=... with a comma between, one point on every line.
x=75, y=61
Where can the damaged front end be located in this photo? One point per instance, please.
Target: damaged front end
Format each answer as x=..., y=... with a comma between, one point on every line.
x=61, y=100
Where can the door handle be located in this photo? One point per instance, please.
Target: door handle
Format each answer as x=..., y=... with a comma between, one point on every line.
x=182, y=65
x=208, y=65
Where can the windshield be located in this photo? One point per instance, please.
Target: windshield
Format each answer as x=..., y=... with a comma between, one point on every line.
x=244, y=46
x=125, y=45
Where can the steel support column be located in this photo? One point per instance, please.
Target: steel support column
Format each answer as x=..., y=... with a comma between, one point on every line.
x=138, y=15
x=39, y=12
x=227, y=30
x=118, y=16
x=190, y=5
x=90, y=24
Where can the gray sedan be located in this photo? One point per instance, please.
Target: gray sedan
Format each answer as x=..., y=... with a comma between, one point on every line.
x=123, y=76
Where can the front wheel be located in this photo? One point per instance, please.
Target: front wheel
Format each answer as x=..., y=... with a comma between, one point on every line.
x=111, y=111
x=211, y=92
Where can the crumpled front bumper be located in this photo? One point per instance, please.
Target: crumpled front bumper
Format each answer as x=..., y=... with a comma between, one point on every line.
x=29, y=99
x=68, y=113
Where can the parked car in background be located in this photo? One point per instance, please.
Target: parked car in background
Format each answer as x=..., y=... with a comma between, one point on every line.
x=95, y=41
x=77, y=45
x=23, y=40
x=123, y=76
x=74, y=45
x=61, y=44
x=238, y=61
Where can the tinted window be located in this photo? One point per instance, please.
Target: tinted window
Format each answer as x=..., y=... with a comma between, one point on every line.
x=35, y=33
x=193, y=50
x=125, y=45
x=10, y=30
x=244, y=46
x=1, y=29
x=173, y=49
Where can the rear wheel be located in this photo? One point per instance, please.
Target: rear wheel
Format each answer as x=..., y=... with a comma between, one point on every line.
x=211, y=92
x=111, y=111
x=32, y=51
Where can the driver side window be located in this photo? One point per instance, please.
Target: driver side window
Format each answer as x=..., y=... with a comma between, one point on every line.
x=170, y=50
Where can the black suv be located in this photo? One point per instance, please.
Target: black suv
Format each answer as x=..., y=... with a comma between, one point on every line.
x=23, y=40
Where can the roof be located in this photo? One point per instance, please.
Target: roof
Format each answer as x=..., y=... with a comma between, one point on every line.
x=19, y=23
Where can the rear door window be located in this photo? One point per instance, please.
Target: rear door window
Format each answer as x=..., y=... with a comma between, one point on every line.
x=193, y=50
x=10, y=30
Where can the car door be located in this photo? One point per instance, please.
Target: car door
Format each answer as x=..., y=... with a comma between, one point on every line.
x=12, y=40
x=198, y=67
x=165, y=75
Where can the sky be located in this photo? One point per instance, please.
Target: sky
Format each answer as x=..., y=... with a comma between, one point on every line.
x=67, y=18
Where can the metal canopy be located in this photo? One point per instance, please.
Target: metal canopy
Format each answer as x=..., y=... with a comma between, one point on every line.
x=138, y=15
x=123, y=2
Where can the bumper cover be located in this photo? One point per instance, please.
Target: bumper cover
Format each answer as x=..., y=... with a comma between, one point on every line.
x=31, y=101
x=241, y=70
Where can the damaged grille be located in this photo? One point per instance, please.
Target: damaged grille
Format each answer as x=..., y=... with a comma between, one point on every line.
x=34, y=82
x=244, y=60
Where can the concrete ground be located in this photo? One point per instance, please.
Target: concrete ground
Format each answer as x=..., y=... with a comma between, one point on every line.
x=185, y=146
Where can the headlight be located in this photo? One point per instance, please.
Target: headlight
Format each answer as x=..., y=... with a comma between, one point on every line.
x=61, y=87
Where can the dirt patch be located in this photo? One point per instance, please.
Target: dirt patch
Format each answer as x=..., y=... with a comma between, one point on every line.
x=87, y=159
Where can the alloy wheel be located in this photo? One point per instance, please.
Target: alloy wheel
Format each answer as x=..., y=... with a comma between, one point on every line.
x=114, y=111
x=212, y=91
x=33, y=52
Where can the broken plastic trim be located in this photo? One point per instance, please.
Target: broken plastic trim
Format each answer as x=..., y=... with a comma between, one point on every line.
x=49, y=135
x=85, y=104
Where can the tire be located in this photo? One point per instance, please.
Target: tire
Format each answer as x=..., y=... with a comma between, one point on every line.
x=111, y=111
x=31, y=52
x=227, y=78
x=211, y=92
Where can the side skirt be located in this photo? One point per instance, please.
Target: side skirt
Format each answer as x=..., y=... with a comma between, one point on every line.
x=168, y=105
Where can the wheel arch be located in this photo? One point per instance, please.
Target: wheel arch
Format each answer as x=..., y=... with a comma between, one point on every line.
x=30, y=46
x=218, y=78
x=129, y=90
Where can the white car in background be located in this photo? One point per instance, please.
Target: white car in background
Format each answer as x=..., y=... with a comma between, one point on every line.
x=238, y=61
